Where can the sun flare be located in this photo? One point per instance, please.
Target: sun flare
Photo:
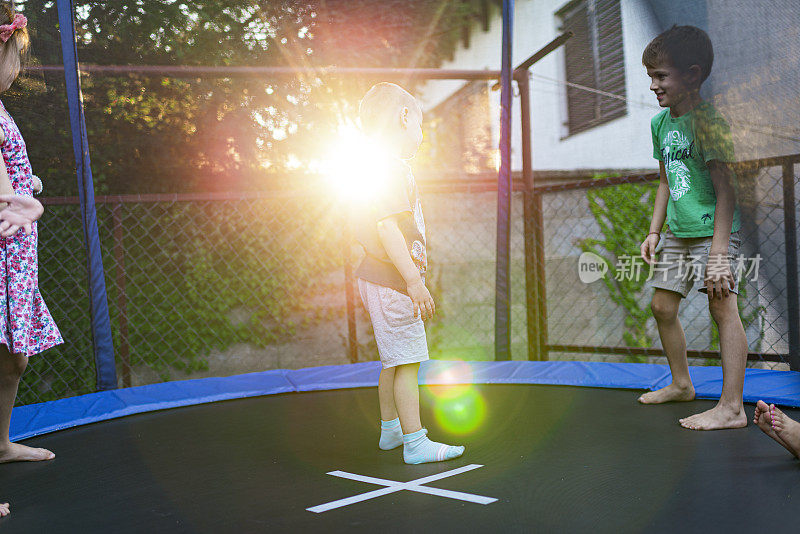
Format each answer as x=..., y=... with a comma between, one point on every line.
x=356, y=166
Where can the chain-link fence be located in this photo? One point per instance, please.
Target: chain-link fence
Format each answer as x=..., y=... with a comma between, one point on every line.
x=218, y=284
x=607, y=317
x=198, y=285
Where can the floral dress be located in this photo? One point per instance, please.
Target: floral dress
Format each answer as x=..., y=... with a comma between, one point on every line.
x=26, y=326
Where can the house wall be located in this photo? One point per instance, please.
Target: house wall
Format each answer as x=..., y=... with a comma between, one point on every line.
x=755, y=81
x=756, y=77
x=621, y=143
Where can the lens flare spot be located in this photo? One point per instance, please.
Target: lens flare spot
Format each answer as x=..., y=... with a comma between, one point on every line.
x=448, y=379
x=461, y=414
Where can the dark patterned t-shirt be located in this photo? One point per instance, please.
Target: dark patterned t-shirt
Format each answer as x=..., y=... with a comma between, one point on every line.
x=397, y=197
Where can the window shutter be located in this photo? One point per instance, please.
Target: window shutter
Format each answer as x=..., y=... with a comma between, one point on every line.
x=579, y=68
x=595, y=59
x=611, y=72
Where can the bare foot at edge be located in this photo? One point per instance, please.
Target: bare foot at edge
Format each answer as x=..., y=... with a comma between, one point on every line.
x=717, y=418
x=5, y=509
x=786, y=428
x=762, y=418
x=670, y=393
x=16, y=452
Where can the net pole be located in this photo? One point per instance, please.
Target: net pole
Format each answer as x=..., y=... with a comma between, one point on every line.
x=535, y=303
x=102, y=342
x=790, y=235
x=502, y=322
x=531, y=298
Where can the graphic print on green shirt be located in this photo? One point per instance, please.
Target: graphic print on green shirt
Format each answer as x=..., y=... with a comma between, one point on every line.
x=686, y=144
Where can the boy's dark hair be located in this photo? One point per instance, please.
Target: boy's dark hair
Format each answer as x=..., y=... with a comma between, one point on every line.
x=682, y=46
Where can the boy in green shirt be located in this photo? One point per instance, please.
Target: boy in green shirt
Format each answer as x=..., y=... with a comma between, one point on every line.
x=696, y=197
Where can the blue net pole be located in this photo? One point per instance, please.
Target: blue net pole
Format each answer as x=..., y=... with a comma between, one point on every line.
x=502, y=313
x=103, y=346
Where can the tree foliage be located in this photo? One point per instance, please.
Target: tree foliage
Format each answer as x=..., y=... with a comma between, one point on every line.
x=165, y=134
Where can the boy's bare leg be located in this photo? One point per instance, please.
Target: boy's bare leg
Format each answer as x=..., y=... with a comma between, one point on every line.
x=386, y=394
x=5, y=509
x=11, y=368
x=786, y=428
x=665, y=310
x=406, y=397
x=729, y=411
x=763, y=419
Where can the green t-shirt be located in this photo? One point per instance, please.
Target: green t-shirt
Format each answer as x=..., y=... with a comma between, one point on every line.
x=686, y=144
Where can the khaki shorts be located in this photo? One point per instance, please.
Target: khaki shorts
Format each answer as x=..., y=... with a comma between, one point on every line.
x=399, y=335
x=681, y=263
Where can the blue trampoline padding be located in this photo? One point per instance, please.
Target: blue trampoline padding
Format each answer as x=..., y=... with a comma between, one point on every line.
x=779, y=387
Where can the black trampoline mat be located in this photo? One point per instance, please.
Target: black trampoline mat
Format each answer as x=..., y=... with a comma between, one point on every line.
x=558, y=459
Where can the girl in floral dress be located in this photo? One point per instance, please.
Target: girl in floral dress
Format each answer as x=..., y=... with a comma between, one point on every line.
x=26, y=327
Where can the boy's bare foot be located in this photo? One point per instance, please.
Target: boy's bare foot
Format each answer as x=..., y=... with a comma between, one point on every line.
x=670, y=393
x=786, y=428
x=5, y=509
x=716, y=418
x=762, y=418
x=14, y=452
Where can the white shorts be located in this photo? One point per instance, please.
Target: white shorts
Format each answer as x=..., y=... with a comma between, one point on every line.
x=400, y=336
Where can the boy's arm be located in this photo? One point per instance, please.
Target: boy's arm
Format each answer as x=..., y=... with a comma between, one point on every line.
x=659, y=215
x=396, y=248
x=721, y=178
x=662, y=197
x=718, y=266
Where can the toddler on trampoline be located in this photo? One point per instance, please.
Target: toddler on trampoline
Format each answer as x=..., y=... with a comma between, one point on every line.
x=696, y=196
x=391, y=278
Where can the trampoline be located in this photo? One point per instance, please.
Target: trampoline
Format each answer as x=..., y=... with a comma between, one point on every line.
x=550, y=446
x=540, y=456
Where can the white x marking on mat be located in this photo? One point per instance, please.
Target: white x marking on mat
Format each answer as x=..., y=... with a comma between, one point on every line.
x=393, y=486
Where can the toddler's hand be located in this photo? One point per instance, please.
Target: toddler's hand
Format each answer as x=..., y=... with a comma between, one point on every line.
x=422, y=300
x=21, y=212
x=37, y=184
x=648, y=248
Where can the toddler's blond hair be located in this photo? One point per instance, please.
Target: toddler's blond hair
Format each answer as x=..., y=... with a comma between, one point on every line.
x=381, y=105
